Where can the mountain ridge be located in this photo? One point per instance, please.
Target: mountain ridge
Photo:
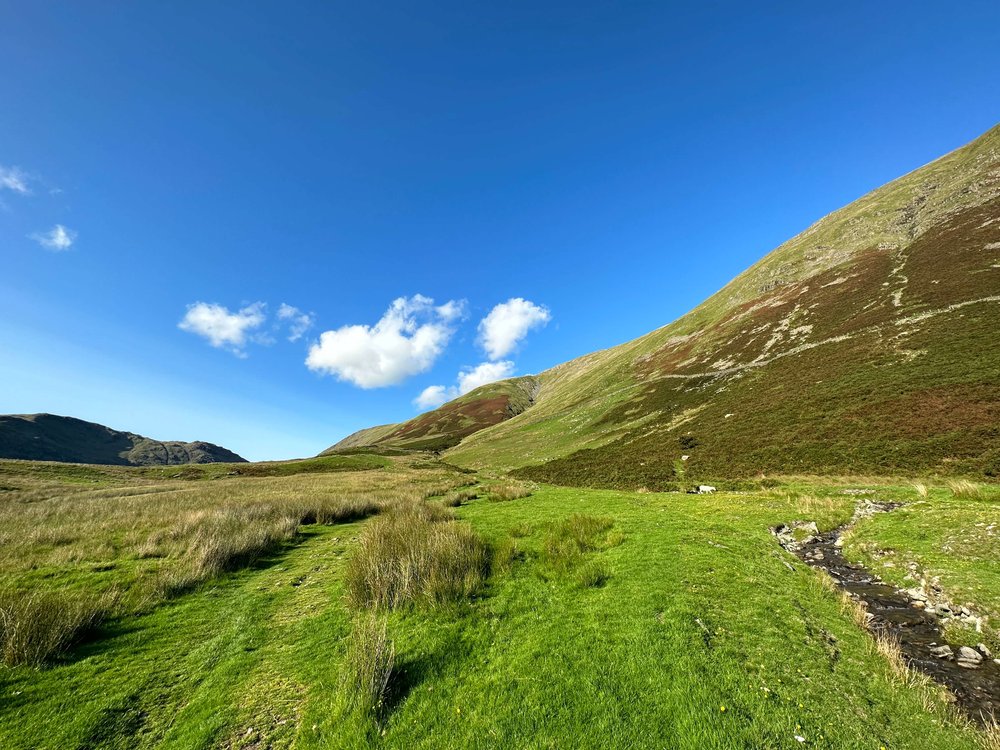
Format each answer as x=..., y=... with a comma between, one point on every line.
x=50, y=437
x=828, y=355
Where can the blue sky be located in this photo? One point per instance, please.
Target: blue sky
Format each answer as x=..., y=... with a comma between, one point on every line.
x=595, y=170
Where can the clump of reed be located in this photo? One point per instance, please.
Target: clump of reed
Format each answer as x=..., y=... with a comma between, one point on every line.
x=369, y=664
x=509, y=489
x=335, y=510
x=456, y=499
x=593, y=574
x=963, y=489
x=37, y=626
x=416, y=554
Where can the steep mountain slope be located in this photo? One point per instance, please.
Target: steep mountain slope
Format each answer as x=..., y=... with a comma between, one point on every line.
x=867, y=343
x=447, y=425
x=47, y=437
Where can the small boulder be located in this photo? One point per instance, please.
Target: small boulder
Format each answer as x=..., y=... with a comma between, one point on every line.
x=942, y=652
x=969, y=658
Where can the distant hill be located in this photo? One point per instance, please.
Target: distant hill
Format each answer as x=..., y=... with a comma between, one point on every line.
x=867, y=343
x=447, y=425
x=47, y=437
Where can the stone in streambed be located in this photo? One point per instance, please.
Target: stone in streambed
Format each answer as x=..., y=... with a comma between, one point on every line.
x=969, y=658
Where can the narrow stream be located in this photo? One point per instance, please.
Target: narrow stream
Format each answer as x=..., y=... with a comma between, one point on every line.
x=975, y=684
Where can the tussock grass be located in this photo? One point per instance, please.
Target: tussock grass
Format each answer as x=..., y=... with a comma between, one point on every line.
x=436, y=491
x=234, y=537
x=152, y=536
x=455, y=499
x=853, y=608
x=989, y=738
x=809, y=506
x=369, y=663
x=887, y=646
x=567, y=541
x=921, y=489
x=593, y=574
x=510, y=489
x=37, y=626
x=965, y=490
x=415, y=554
x=339, y=510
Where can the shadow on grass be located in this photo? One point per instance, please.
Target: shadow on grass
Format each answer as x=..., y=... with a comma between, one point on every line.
x=117, y=726
x=409, y=673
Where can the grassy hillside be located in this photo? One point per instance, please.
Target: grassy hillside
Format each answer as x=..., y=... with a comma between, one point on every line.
x=446, y=426
x=605, y=619
x=864, y=344
x=48, y=437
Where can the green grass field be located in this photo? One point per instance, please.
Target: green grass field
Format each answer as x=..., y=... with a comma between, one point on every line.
x=606, y=619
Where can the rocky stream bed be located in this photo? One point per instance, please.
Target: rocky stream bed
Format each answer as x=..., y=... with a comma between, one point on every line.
x=913, y=617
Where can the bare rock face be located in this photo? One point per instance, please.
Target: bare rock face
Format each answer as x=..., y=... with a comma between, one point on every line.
x=48, y=437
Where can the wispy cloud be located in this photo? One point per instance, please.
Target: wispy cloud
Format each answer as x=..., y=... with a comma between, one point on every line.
x=452, y=310
x=508, y=323
x=298, y=321
x=222, y=328
x=58, y=239
x=13, y=179
x=406, y=341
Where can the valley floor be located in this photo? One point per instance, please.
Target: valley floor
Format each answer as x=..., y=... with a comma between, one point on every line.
x=696, y=631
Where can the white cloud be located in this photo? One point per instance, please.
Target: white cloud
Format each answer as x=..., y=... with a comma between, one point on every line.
x=452, y=310
x=59, y=238
x=406, y=341
x=469, y=378
x=508, y=323
x=298, y=321
x=12, y=178
x=222, y=328
x=488, y=372
x=433, y=396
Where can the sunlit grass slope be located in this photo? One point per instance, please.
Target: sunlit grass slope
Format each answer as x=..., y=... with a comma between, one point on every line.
x=865, y=344
x=605, y=619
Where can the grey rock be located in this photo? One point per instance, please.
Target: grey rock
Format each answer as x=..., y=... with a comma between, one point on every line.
x=942, y=652
x=969, y=657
